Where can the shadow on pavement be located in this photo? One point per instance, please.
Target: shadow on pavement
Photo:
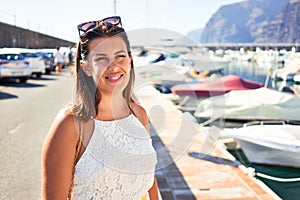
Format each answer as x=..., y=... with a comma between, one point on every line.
x=4, y=95
x=43, y=78
x=15, y=83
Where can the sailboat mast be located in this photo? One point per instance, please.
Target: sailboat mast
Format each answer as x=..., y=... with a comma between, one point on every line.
x=115, y=7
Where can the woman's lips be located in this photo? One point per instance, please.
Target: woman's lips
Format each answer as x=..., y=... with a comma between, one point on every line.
x=114, y=78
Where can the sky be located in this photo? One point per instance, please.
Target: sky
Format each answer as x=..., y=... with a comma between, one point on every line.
x=59, y=18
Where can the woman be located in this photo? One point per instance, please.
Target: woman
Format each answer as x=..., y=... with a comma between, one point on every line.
x=99, y=147
x=58, y=60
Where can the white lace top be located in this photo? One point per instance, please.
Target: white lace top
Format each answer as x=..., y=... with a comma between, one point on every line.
x=118, y=163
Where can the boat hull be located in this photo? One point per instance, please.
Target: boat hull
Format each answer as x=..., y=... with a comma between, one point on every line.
x=259, y=154
x=256, y=104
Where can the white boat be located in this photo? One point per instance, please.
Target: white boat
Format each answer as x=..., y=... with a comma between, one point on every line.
x=297, y=78
x=288, y=72
x=284, y=75
x=165, y=74
x=202, y=61
x=189, y=94
x=271, y=144
x=170, y=72
x=255, y=104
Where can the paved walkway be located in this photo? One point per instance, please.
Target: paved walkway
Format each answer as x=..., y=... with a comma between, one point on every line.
x=193, y=164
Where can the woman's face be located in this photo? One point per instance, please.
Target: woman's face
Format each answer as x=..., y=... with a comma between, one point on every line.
x=109, y=64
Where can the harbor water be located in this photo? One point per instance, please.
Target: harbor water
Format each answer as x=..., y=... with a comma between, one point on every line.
x=285, y=190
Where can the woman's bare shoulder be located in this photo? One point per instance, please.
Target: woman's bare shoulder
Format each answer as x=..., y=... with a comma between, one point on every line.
x=141, y=114
x=64, y=119
x=58, y=154
x=63, y=129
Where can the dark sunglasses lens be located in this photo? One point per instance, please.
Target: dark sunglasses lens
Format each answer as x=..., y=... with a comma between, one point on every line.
x=88, y=26
x=113, y=20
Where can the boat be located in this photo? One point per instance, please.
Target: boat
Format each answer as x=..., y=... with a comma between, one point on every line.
x=213, y=87
x=165, y=76
x=256, y=104
x=284, y=75
x=270, y=144
x=202, y=61
x=288, y=86
x=169, y=72
x=288, y=72
x=190, y=94
x=296, y=78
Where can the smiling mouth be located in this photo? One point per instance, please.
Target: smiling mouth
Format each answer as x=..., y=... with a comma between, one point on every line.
x=114, y=79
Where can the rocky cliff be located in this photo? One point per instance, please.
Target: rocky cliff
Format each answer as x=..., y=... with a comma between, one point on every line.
x=254, y=21
x=285, y=27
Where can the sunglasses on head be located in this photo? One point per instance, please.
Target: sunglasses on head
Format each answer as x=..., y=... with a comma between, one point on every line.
x=86, y=26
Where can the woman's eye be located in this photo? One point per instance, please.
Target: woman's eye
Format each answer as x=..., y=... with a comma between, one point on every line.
x=101, y=59
x=120, y=58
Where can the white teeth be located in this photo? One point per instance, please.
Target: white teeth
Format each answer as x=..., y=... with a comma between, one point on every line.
x=114, y=78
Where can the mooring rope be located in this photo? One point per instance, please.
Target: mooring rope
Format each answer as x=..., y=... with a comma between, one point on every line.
x=273, y=178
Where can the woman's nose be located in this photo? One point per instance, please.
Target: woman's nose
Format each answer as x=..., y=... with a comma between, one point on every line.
x=111, y=64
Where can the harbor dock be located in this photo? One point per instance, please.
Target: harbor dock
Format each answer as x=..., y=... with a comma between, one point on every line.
x=192, y=163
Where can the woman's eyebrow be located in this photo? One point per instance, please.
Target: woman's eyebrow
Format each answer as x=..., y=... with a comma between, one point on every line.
x=100, y=54
x=121, y=51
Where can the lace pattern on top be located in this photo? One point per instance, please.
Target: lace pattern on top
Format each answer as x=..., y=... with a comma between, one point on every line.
x=118, y=163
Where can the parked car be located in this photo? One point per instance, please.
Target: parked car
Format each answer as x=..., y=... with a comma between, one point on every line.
x=36, y=62
x=14, y=65
x=47, y=56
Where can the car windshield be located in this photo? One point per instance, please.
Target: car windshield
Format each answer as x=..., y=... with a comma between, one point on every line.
x=46, y=55
x=30, y=55
x=11, y=57
x=49, y=55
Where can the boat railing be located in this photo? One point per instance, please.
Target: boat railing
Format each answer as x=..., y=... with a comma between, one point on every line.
x=264, y=122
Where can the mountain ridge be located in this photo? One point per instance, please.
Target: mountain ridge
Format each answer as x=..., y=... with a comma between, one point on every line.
x=253, y=21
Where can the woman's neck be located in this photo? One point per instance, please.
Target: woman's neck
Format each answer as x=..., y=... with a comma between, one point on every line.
x=111, y=108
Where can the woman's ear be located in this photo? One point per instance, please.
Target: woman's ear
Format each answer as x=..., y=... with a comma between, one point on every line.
x=85, y=67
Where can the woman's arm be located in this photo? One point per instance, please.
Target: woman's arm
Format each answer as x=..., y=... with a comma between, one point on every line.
x=58, y=155
x=142, y=116
x=153, y=191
